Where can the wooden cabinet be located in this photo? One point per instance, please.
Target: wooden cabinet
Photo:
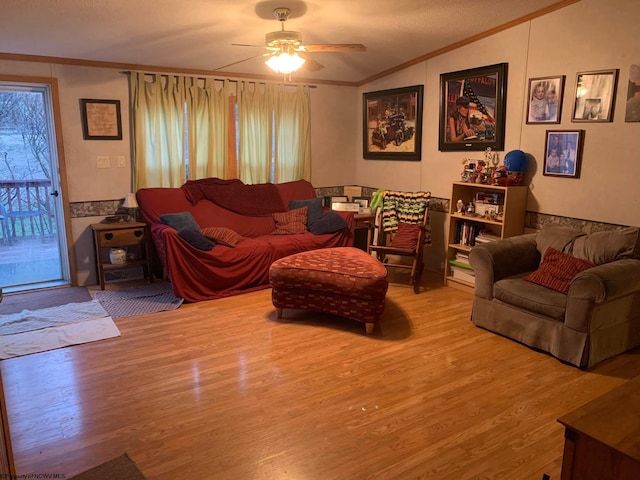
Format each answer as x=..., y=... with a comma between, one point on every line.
x=602, y=438
x=464, y=227
x=133, y=236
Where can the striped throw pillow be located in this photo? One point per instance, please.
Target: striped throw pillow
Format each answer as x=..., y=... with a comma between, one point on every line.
x=222, y=235
x=291, y=222
x=557, y=270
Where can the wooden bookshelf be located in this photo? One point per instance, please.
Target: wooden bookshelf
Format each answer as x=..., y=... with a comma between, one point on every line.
x=511, y=222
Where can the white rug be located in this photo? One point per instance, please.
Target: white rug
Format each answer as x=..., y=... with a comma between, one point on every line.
x=36, y=331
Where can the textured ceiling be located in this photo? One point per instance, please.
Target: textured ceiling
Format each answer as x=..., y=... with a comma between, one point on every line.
x=197, y=34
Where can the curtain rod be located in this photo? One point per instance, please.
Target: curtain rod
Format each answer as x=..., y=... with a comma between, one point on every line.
x=200, y=77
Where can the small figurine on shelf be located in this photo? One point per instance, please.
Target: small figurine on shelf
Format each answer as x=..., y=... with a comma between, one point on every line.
x=471, y=210
x=459, y=206
x=477, y=171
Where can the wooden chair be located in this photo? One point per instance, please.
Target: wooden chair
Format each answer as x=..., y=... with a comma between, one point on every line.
x=403, y=230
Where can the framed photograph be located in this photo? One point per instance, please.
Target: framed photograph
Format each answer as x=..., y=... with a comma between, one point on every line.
x=100, y=119
x=545, y=99
x=362, y=201
x=472, y=109
x=392, y=124
x=563, y=153
x=595, y=95
x=632, y=111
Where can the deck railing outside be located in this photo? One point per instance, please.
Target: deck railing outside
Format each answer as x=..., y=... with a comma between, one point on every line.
x=26, y=210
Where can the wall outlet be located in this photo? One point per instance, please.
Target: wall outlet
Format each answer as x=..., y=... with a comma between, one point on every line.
x=122, y=161
x=104, y=161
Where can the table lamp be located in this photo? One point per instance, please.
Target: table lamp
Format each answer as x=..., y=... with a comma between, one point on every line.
x=130, y=204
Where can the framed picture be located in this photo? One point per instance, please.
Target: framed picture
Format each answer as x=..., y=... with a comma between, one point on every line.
x=392, y=124
x=595, y=95
x=100, y=119
x=362, y=201
x=472, y=109
x=632, y=111
x=545, y=99
x=563, y=153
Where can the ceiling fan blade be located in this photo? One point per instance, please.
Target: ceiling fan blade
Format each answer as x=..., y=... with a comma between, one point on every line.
x=312, y=65
x=336, y=47
x=245, y=45
x=240, y=61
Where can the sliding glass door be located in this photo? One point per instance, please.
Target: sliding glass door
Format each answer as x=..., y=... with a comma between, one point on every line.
x=33, y=249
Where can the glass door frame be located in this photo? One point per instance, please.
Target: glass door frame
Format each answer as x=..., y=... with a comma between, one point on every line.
x=58, y=177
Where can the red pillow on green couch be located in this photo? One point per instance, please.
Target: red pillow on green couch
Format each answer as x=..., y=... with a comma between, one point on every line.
x=557, y=270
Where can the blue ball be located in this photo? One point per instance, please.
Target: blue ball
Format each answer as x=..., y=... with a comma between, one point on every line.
x=515, y=161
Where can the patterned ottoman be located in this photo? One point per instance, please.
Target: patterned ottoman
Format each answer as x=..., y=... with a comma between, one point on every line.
x=343, y=281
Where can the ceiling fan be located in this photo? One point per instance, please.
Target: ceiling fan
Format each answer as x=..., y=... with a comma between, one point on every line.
x=287, y=54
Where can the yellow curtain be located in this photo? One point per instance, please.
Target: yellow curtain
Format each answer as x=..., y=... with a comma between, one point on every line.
x=207, y=118
x=293, y=135
x=273, y=131
x=158, y=122
x=255, y=129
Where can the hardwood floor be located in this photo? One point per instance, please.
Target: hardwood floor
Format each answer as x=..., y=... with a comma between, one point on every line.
x=224, y=390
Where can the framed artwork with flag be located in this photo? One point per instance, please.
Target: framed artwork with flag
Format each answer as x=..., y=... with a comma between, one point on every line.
x=472, y=109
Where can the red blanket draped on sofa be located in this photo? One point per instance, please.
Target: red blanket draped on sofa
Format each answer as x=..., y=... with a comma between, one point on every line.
x=198, y=275
x=256, y=200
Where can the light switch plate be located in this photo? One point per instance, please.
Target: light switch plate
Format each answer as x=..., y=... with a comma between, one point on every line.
x=104, y=161
x=122, y=162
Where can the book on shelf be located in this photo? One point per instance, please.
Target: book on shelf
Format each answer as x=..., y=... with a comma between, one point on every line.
x=462, y=257
x=466, y=232
x=484, y=237
x=460, y=264
x=463, y=274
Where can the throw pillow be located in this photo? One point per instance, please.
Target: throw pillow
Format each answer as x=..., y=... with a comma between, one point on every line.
x=557, y=270
x=194, y=237
x=222, y=235
x=406, y=236
x=314, y=208
x=291, y=222
x=329, y=222
x=179, y=220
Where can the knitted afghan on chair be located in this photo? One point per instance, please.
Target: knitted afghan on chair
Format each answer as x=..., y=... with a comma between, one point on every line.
x=405, y=207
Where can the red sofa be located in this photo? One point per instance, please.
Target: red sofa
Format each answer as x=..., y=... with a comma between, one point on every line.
x=198, y=275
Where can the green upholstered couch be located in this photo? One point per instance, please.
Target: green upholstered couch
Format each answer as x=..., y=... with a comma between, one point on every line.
x=597, y=318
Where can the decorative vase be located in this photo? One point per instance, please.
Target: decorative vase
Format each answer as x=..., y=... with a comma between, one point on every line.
x=118, y=256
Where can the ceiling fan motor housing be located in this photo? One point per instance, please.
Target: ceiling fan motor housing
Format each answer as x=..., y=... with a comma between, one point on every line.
x=283, y=37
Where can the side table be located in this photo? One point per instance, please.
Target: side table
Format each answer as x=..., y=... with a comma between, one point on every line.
x=602, y=438
x=126, y=234
x=362, y=221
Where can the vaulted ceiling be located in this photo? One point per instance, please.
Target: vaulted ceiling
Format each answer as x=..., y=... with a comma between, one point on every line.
x=197, y=35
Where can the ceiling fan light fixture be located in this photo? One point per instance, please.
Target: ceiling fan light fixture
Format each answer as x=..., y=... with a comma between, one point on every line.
x=285, y=62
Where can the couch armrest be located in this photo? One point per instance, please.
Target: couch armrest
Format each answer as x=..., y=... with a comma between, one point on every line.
x=497, y=260
x=600, y=284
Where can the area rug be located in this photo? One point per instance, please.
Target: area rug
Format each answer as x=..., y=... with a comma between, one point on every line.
x=33, y=331
x=121, y=468
x=139, y=300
